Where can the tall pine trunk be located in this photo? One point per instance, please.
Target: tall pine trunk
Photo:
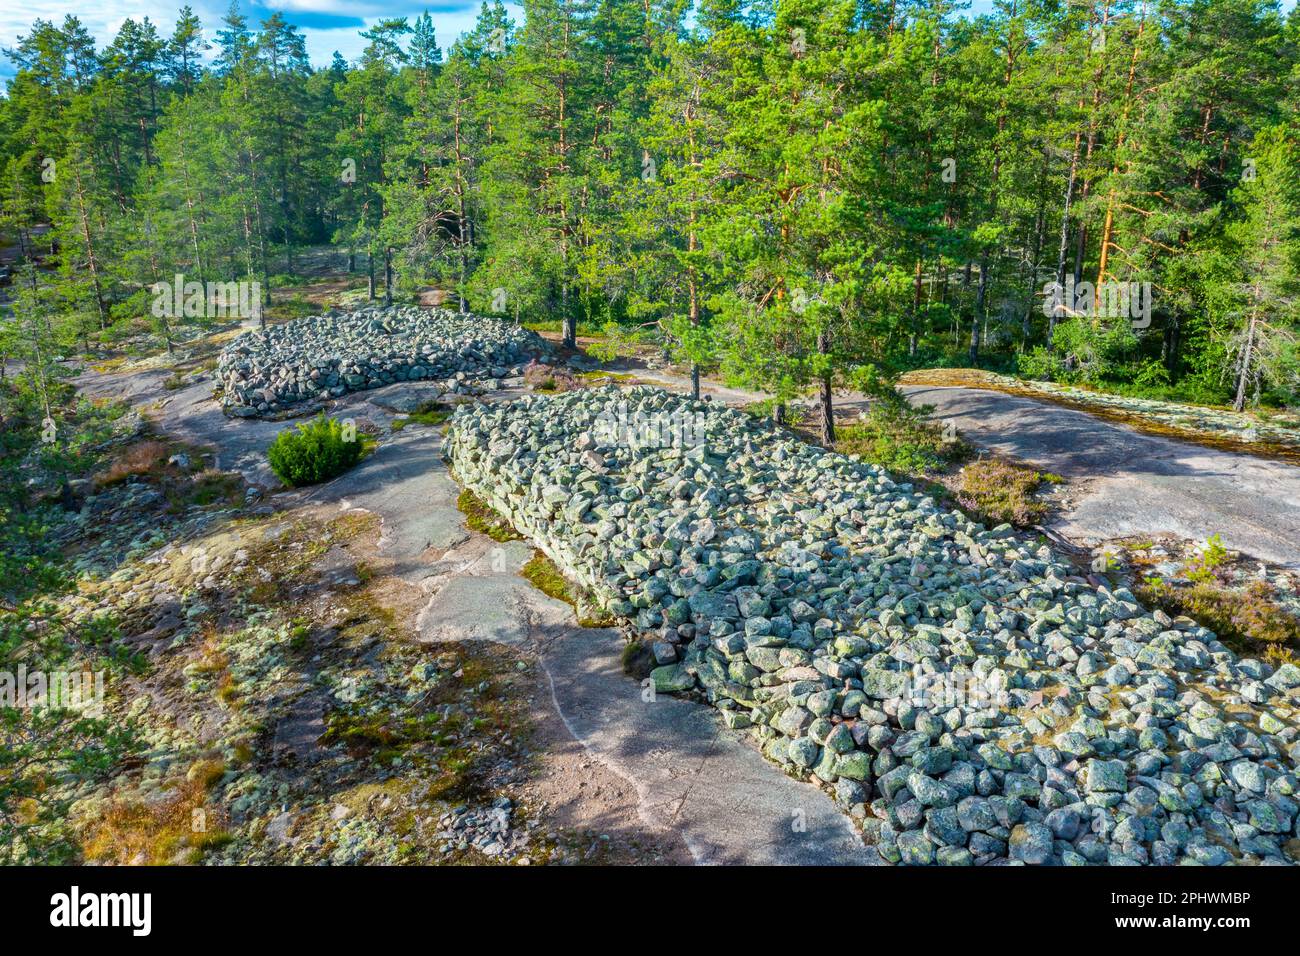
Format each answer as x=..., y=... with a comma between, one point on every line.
x=1247, y=356
x=981, y=292
x=92, y=259
x=1064, y=247
x=826, y=397
x=388, y=276
x=569, y=338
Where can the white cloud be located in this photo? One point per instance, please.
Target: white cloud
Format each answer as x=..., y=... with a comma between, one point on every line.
x=103, y=18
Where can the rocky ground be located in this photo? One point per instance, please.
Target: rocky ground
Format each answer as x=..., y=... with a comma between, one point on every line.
x=281, y=706
x=267, y=371
x=1122, y=480
x=967, y=695
x=411, y=600
x=367, y=737
x=283, y=713
x=1223, y=422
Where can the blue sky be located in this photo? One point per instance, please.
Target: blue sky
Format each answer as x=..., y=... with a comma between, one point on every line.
x=328, y=25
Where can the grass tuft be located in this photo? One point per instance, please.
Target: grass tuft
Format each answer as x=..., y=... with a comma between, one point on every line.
x=211, y=486
x=435, y=415
x=176, y=827
x=142, y=458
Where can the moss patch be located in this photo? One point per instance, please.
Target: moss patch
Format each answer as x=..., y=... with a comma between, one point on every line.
x=481, y=518
x=432, y=417
x=542, y=574
x=599, y=377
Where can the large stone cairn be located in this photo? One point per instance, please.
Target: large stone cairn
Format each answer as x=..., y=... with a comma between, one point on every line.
x=967, y=696
x=267, y=371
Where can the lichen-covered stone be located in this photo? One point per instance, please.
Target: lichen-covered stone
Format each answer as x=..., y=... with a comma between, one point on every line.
x=996, y=702
x=266, y=371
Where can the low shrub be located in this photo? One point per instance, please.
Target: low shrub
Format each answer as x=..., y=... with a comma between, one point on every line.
x=1248, y=621
x=292, y=307
x=142, y=458
x=792, y=416
x=1085, y=351
x=315, y=451
x=549, y=378
x=998, y=491
x=902, y=438
x=1209, y=559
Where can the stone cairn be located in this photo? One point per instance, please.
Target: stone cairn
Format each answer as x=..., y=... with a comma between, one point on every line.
x=966, y=695
x=266, y=372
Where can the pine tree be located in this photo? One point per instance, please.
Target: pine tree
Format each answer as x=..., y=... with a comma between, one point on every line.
x=536, y=181
x=373, y=99
x=235, y=41
x=796, y=128
x=431, y=202
x=185, y=50
x=681, y=187
x=1261, y=325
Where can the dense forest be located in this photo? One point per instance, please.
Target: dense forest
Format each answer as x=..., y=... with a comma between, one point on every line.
x=803, y=195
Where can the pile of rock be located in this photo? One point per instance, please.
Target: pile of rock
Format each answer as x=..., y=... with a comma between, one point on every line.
x=967, y=695
x=266, y=371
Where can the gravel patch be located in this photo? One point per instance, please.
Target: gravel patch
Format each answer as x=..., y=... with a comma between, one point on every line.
x=966, y=696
